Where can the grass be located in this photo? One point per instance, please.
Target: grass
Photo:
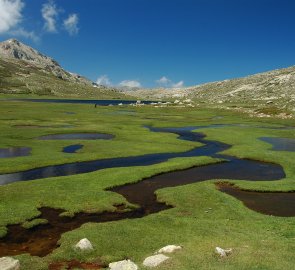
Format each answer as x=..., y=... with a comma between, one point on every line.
x=17, y=78
x=203, y=217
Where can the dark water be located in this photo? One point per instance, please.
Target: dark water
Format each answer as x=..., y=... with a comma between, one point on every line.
x=210, y=148
x=77, y=136
x=75, y=264
x=41, y=240
x=270, y=203
x=72, y=148
x=280, y=144
x=83, y=101
x=15, y=152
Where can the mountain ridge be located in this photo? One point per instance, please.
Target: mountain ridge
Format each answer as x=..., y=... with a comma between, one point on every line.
x=272, y=91
x=24, y=70
x=14, y=49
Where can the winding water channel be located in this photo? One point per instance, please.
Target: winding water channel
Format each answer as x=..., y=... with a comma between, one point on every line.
x=41, y=240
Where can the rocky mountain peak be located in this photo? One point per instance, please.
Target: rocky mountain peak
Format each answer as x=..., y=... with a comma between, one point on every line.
x=14, y=49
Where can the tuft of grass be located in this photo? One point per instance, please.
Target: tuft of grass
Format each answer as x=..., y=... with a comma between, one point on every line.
x=33, y=223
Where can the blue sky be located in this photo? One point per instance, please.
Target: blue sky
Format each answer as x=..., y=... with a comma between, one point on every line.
x=150, y=43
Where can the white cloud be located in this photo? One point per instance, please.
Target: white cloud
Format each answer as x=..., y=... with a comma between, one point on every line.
x=166, y=82
x=178, y=85
x=71, y=24
x=21, y=32
x=130, y=84
x=50, y=15
x=163, y=81
x=10, y=14
x=103, y=80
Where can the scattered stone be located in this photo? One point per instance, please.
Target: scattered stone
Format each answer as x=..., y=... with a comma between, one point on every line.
x=84, y=244
x=8, y=263
x=154, y=261
x=176, y=95
x=169, y=249
x=176, y=101
x=123, y=265
x=223, y=252
x=187, y=100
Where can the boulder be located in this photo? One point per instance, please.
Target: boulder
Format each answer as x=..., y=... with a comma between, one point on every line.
x=188, y=100
x=123, y=265
x=154, y=261
x=169, y=249
x=8, y=263
x=84, y=244
x=223, y=252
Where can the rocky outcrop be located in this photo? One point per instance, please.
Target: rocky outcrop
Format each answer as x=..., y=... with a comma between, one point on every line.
x=84, y=245
x=123, y=265
x=223, y=252
x=8, y=263
x=154, y=261
x=169, y=249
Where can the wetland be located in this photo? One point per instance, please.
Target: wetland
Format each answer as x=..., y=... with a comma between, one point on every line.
x=160, y=181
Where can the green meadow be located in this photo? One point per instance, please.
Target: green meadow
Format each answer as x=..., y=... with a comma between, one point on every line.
x=202, y=217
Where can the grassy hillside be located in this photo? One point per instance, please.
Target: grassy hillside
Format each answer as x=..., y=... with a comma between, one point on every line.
x=265, y=94
x=20, y=77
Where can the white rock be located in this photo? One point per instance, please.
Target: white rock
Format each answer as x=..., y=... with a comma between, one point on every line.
x=188, y=100
x=123, y=265
x=8, y=263
x=120, y=104
x=223, y=252
x=84, y=244
x=169, y=249
x=154, y=261
x=176, y=101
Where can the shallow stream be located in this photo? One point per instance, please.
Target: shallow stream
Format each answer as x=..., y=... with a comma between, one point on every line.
x=42, y=239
